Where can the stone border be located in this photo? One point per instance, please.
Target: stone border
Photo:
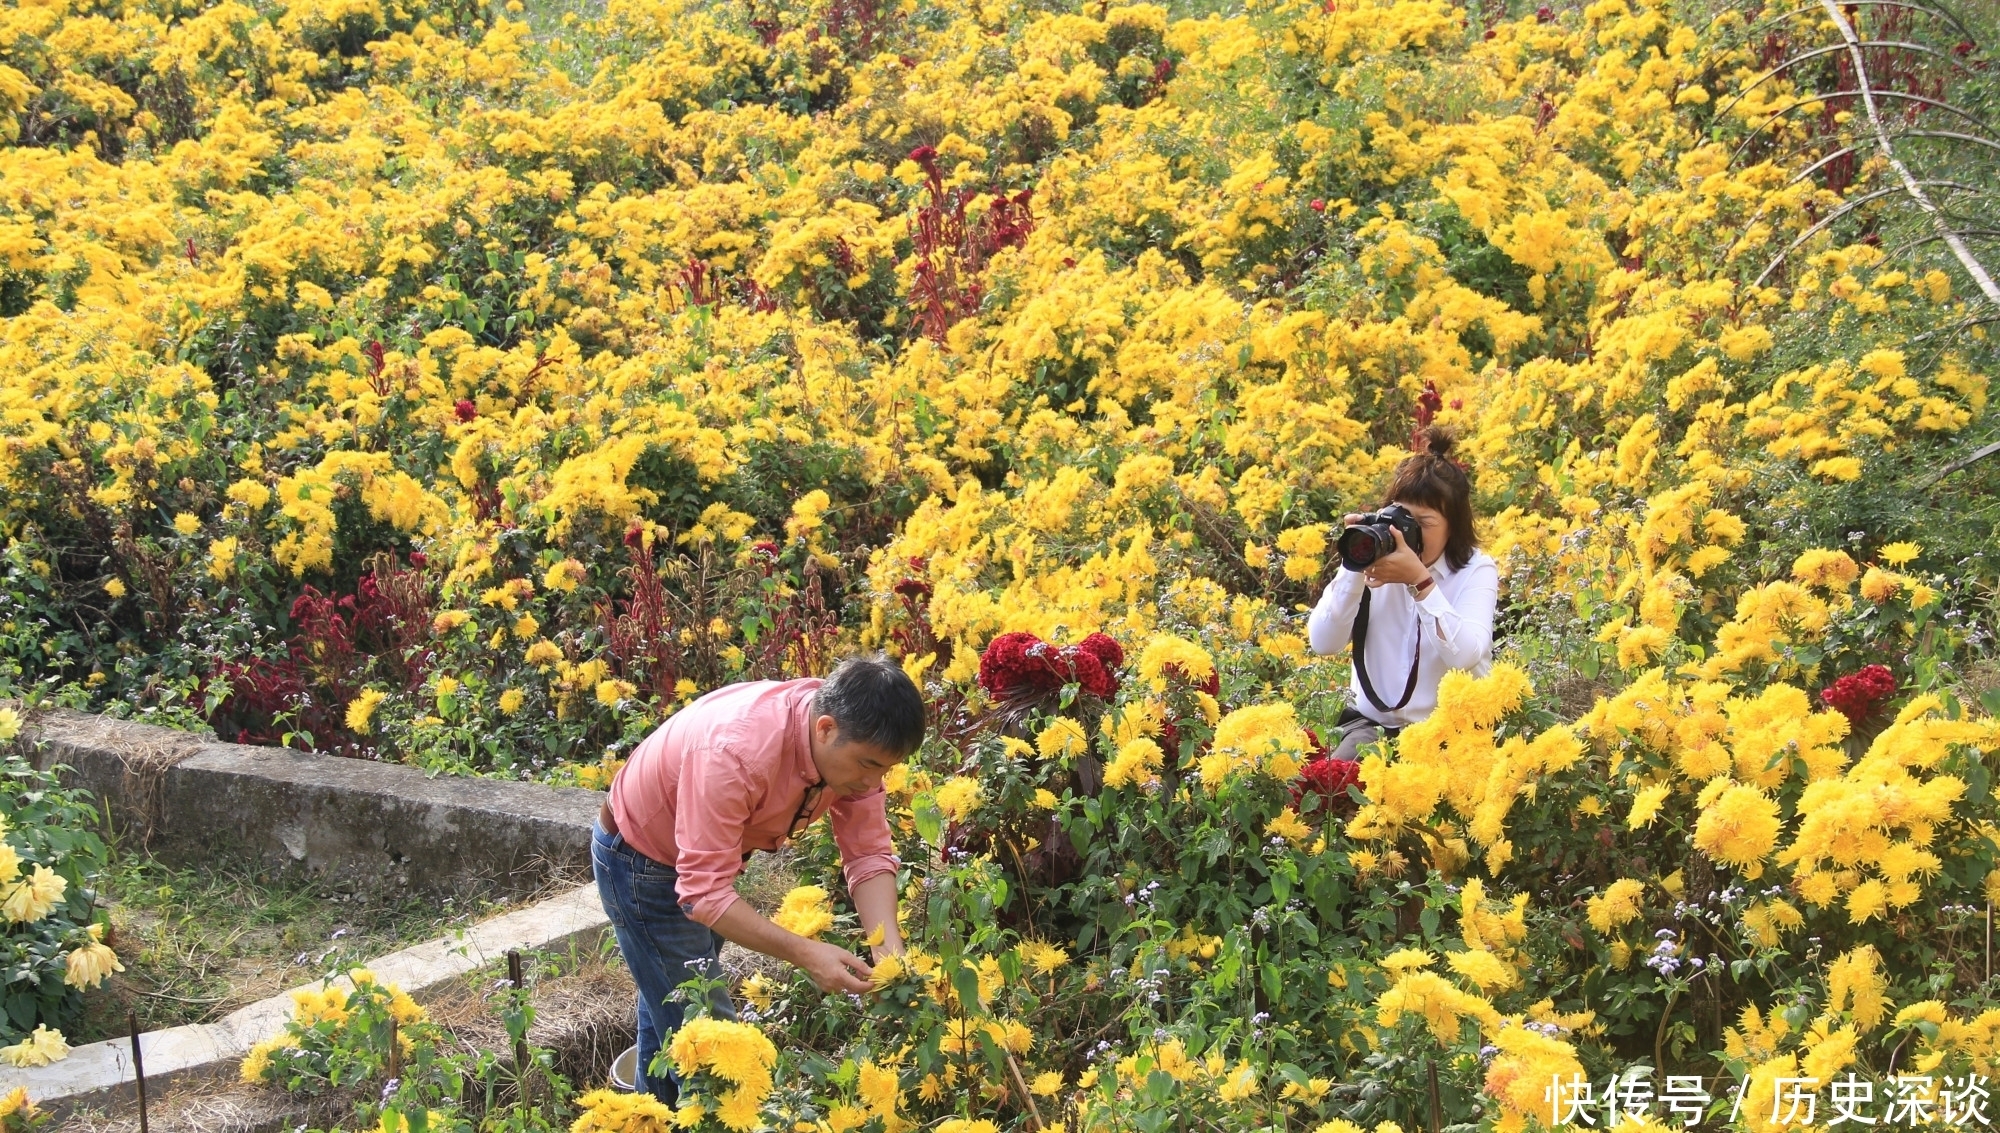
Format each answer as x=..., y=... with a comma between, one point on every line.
x=189, y=798
x=100, y=1073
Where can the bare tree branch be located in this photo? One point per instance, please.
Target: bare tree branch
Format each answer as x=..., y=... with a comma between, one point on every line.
x=1932, y=103
x=1834, y=49
x=1944, y=14
x=1963, y=462
x=1911, y=185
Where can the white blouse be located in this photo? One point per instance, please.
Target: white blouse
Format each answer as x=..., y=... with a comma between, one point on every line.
x=1455, y=620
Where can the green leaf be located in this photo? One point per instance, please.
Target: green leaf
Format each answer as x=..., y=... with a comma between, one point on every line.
x=1229, y=969
x=965, y=981
x=929, y=819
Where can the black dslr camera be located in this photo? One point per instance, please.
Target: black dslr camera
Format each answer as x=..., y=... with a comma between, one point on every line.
x=1371, y=538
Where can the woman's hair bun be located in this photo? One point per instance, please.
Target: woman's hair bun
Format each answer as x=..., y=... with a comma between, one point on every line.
x=1438, y=441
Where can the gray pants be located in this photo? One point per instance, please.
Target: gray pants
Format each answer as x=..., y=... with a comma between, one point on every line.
x=1356, y=736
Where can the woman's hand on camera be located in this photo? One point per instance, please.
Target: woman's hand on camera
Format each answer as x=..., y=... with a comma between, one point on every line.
x=1401, y=565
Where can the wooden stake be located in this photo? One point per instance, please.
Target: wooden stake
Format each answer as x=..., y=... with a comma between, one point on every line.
x=1021, y=1084
x=138, y=1069
x=520, y=1044
x=395, y=1051
x=1437, y=1112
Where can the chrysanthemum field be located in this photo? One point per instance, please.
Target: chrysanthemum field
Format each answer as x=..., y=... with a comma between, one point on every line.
x=472, y=385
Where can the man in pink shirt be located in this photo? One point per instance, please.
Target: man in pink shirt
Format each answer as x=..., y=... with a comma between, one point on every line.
x=749, y=767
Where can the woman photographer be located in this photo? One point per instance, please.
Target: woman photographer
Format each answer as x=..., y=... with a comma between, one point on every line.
x=1413, y=615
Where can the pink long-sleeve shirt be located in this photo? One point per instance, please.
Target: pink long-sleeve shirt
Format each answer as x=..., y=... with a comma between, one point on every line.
x=725, y=776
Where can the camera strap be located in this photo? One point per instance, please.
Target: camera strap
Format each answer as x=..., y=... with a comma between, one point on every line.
x=1361, y=664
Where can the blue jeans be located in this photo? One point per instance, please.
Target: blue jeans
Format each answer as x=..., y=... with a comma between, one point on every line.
x=662, y=946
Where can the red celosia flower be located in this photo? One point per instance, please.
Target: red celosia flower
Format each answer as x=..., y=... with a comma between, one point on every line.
x=465, y=409
x=419, y=560
x=1318, y=746
x=1328, y=779
x=1104, y=649
x=1003, y=667
x=915, y=589
x=1317, y=205
x=1857, y=696
x=765, y=548
x=1093, y=676
x=1021, y=664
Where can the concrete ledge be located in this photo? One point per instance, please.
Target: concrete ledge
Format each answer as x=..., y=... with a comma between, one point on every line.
x=100, y=1074
x=349, y=818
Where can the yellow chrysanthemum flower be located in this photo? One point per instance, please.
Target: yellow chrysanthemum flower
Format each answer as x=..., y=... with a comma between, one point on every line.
x=807, y=910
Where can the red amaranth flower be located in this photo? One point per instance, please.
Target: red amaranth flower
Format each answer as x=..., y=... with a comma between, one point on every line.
x=465, y=409
x=1858, y=696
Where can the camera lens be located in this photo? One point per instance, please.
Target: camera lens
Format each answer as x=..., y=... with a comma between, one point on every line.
x=1360, y=546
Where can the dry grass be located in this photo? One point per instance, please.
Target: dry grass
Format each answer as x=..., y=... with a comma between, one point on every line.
x=200, y=942
x=584, y=1016
x=219, y=1106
